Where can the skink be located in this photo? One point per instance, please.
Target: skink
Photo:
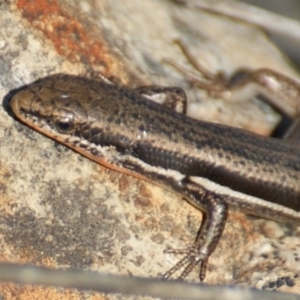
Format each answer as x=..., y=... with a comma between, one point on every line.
x=214, y=167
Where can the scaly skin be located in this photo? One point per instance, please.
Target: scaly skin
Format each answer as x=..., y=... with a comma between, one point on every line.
x=213, y=166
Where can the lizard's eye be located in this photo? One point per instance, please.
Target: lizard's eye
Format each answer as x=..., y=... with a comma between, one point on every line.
x=64, y=124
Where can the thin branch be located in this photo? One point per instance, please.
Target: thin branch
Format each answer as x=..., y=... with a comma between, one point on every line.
x=108, y=283
x=267, y=20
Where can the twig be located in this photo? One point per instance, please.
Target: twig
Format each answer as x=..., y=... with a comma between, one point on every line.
x=108, y=283
x=267, y=20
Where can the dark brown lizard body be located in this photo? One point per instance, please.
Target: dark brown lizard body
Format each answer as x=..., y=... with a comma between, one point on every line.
x=213, y=166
